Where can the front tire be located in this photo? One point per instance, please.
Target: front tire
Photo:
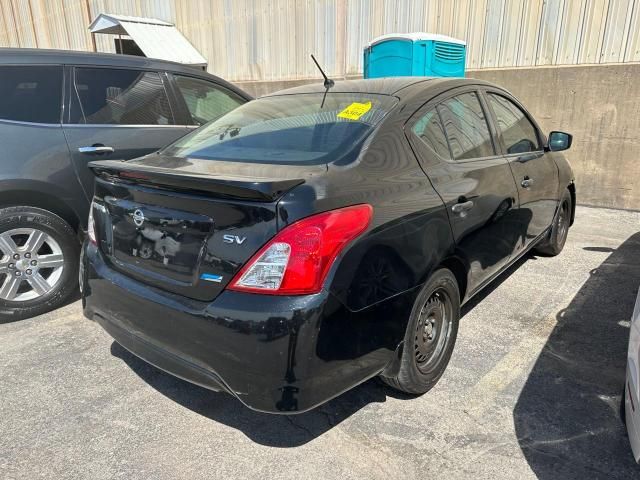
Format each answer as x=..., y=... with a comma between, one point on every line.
x=38, y=262
x=430, y=336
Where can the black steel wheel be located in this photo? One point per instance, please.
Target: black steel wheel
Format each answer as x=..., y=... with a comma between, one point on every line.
x=554, y=243
x=430, y=336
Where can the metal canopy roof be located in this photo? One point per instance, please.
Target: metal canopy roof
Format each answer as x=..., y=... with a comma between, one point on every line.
x=156, y=39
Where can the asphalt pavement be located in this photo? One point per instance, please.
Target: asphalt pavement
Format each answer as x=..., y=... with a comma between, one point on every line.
x=533, y=391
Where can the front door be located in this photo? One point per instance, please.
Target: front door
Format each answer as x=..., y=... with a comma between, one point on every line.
x=535, y=172
x=116, y=114
x=452, y=140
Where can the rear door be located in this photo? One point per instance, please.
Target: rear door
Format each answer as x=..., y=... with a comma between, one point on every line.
x=117, y=114
x=535, y=172
x=452, y=140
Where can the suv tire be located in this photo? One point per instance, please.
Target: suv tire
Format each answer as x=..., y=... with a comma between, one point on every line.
x=38, y=262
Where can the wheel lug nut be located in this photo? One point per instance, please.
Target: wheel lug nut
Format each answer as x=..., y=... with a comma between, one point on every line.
x=33, y=262
x=27, y=255
x=11, y=265
x=28, y=271
x=18, y=274
x=16, y=256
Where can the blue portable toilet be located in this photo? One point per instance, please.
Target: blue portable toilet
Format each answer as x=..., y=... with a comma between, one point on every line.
x=414, y=54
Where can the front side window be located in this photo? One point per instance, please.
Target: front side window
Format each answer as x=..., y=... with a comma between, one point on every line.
x=466, y=127
x=517, y=132
x=120, y=97
x=205, y=100
x=31, y=93
x=308, y=128
x=430, y=131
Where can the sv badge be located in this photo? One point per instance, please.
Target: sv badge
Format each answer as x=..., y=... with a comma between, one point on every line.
x=233, y=239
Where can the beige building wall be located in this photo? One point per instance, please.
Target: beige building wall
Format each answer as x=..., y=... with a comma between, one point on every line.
x=270, y=40
x=575, y=63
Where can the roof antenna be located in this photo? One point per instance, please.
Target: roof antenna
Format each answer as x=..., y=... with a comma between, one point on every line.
x=328, y=83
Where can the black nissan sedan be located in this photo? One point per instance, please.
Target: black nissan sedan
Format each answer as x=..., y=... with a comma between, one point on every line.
x=315, y=238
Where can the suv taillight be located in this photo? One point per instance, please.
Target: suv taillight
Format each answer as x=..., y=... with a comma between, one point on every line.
x=297, y=260
x=91, y=226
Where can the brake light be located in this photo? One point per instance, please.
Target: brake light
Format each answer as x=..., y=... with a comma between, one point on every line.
x=91, y=226
x=91, y=223
x=297, y=260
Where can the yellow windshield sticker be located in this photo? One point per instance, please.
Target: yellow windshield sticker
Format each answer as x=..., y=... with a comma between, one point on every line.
x=355, y=111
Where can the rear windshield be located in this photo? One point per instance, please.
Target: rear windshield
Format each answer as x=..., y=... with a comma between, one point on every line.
x=298, y=129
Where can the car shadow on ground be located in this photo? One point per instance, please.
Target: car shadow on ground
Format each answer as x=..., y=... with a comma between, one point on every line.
x=567, y=417
x=282, y=431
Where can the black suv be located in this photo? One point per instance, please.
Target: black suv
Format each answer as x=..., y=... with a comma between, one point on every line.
x=59, y=111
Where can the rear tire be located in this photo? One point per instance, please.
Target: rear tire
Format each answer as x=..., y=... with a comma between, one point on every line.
x=553, y=244
x=430, y=336
x=38, y=262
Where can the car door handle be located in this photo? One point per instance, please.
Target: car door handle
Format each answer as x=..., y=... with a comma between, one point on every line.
x=462, y=207
x=96, y=149
x=526, y=182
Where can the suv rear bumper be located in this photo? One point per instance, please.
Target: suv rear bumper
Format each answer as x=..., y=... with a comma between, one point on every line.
x=275, y=354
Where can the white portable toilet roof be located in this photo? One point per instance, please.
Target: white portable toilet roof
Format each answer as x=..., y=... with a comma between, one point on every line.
x=156, y=38
x=415, y=36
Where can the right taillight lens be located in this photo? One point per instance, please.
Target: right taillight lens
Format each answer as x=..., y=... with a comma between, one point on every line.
x=297, y=260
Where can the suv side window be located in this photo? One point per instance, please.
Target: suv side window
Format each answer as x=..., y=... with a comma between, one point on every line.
x=31, y=93
x=120, y=97
x=466, y=127
x=430, y=131
x=517, y=132
x=205, y=100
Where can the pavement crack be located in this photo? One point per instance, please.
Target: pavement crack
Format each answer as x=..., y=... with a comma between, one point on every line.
x=299, y=427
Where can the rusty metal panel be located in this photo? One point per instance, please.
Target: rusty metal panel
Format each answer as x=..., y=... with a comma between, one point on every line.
x=616, y=30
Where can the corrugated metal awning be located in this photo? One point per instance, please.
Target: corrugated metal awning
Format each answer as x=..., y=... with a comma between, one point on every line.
x=156, y=39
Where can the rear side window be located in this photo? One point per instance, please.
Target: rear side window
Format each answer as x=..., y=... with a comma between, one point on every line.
x=517, y=132
x=308, y=128
x=430, y=131
x=206, y=101
x=31, y=93
x=466, y=127
x=120, y=97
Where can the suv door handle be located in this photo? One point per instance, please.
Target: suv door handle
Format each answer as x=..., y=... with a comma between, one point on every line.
x=526, y=182
x=462, y=207
x=96, y=149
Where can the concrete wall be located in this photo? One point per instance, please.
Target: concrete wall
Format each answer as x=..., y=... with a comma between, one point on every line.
x=599, y=105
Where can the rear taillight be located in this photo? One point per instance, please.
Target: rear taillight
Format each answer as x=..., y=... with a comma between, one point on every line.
x=297, y=260
x=91, y=227
x=91, y=223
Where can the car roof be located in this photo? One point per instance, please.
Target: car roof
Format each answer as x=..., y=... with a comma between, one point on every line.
x=39, y=56
x=45, y=56
x=402, y=87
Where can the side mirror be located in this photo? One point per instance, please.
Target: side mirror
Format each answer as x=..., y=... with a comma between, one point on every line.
x=559, y=141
